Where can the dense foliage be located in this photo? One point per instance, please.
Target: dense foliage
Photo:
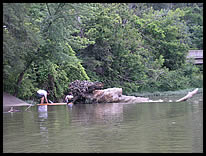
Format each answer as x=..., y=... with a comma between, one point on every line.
x=138, y=47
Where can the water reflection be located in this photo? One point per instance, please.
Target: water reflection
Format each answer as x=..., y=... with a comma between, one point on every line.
x=42, y=108
x=109, y=112
x=43, y=115
x=97, y=113
x=151, y=127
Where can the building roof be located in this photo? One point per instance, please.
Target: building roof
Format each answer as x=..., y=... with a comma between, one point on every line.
x=195, y=54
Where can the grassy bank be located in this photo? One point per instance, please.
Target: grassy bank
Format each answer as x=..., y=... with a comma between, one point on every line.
x=167, y=93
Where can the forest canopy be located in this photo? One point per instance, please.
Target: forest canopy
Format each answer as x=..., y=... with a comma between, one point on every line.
x=134, y=46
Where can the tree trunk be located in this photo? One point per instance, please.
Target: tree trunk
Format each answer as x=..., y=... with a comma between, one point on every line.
x=90, y=92
x=18, y=83
x=20, y=78
x=21, y=75
x=188, y=96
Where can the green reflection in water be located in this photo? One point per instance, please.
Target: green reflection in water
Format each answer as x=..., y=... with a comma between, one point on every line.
x=94, y=128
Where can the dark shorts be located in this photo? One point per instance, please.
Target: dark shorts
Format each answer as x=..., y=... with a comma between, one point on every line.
x=39, y=95
x=69, y=100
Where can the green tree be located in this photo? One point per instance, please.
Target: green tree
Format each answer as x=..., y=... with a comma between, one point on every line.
x=165, y=34
x=194, y=20
x=19, y=44
x=127, y=45
x=36, y=34
x=117, y=58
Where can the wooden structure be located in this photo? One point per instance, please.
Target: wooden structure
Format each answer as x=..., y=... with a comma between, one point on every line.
x=52, y=104
x=197, y=55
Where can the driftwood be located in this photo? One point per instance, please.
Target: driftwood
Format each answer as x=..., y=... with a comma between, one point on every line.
x=92, y=92
x=114, y=95
x=188, y=96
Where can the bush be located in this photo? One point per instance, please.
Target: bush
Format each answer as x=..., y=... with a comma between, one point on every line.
x=188, y=76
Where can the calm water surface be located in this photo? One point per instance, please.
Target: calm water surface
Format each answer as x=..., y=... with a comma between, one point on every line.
x=103, y=128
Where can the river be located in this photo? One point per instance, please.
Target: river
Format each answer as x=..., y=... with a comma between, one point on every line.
x=106, y=128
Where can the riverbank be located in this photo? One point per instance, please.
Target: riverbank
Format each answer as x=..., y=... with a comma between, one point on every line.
x=166, y=93
x=9, y=100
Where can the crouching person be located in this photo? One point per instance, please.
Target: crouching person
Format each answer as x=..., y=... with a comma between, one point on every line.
x=42, y=94
x=69, y=99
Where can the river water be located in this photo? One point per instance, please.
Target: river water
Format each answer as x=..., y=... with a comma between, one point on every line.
x=106, y=128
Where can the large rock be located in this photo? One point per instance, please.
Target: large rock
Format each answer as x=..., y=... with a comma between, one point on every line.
x=114, y=95
x=107, y=95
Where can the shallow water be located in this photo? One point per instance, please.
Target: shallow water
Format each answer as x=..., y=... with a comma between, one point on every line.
x=106, y=128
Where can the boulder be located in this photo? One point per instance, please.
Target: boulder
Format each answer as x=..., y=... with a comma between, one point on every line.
x=110, y=95
x=114, y=95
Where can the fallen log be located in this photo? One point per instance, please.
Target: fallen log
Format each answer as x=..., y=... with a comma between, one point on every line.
x=82, y=90
x=114, y=95
x=92, y=92
x=188, y=96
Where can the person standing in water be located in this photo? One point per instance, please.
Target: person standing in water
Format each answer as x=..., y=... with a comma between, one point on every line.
x=43, y=95
x=69, y=98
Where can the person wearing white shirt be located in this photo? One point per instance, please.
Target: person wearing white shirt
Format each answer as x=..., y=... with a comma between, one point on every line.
x=69, y=98
x=43, y=95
